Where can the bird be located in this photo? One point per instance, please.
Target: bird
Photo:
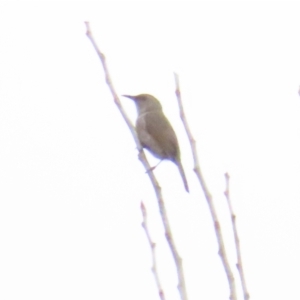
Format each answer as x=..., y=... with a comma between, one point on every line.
x=155, y=132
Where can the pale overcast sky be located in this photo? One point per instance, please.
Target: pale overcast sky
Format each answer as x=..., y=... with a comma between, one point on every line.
x=71, y=182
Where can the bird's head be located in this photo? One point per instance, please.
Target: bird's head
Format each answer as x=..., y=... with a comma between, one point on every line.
x=145, y=103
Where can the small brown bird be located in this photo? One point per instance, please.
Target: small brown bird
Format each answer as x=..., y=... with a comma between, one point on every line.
x=155, y=131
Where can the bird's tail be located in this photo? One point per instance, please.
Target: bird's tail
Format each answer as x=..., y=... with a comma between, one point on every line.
x=181, y=171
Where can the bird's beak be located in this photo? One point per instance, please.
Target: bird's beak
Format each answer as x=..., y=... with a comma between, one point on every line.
x=128, y=96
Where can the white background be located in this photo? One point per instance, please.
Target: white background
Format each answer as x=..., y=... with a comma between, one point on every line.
x=71, y=183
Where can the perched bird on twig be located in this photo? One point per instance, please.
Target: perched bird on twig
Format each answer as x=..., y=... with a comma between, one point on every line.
x=155, y=131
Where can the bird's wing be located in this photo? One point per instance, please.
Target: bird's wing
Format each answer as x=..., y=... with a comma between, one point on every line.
x=161, y=133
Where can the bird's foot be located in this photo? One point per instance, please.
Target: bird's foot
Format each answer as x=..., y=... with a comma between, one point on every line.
x=151, y=169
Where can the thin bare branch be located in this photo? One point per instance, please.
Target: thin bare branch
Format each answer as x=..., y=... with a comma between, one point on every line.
x=142, y=157
x=110, y=85
x=207, y=194
x=239, y=264
x=152, y=246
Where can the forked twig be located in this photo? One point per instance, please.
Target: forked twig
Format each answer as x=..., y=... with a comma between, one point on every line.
x=142, y=157
x=207, y=194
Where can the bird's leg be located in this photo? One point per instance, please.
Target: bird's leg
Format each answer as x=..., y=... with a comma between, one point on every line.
x=152, y=168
